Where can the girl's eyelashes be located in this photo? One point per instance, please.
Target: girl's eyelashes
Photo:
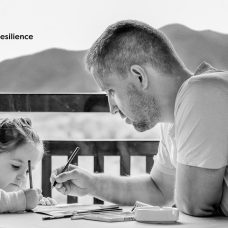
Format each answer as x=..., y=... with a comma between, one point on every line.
x=15, y=167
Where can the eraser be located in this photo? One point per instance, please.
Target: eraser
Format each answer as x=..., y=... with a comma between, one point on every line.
x=156, y=214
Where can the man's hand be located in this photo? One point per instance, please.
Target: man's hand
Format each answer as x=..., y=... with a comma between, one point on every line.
x=33, y=197
x=76, y=181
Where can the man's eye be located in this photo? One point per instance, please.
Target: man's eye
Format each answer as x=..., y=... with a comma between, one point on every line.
x=16, y=167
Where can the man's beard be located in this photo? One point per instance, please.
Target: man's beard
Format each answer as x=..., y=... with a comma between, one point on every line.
x=145, y=125
x=147, y=106
x=141, y=126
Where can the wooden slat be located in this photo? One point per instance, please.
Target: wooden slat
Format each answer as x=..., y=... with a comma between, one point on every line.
x=53, y=103
x=73, y=199
x=102, y=147
x=98, y=168
x=125, y=160
x=149, y=163
x=46, y=173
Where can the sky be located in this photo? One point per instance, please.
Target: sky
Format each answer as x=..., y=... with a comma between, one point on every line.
x=76, y=24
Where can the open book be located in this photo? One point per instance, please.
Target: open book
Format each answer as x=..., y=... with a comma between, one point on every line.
x=75, y=208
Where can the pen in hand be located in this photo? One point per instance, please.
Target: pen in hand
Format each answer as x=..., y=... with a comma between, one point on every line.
x=30, y=174
x=68, y=162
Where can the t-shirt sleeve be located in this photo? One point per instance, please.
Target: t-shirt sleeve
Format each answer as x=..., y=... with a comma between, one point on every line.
x=201, y=125
x=12, y=201
x=162, y=160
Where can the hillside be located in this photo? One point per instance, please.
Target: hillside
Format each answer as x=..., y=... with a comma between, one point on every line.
x=52, y=70
x=196, y=46
x=57, y=70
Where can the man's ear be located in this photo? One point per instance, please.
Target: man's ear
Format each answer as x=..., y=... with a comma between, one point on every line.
x=139, y=73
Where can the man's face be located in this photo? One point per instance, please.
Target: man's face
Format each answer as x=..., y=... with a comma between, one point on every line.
x=134, y=105
x=14, y=166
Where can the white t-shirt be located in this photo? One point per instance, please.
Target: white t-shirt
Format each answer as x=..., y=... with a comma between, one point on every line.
x=199, y=135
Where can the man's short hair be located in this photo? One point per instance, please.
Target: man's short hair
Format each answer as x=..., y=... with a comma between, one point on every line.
x=129, y=42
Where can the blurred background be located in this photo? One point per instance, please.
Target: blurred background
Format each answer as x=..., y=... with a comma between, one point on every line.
x=53, y=62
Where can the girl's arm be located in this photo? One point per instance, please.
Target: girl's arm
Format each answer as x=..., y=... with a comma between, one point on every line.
x=12, y=201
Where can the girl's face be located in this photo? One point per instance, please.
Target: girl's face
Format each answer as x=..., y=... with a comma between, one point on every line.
x=14, y=166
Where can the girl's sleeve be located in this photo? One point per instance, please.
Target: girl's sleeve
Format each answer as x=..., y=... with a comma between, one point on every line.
x=12, y=201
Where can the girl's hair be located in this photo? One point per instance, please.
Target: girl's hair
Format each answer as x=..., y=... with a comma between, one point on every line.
x=17, y=132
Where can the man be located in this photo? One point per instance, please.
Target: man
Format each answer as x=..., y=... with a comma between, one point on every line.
x=146, y=84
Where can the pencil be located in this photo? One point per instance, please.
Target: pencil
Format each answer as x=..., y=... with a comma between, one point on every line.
x=30, y=174
x=56, y=217
x=68, y=162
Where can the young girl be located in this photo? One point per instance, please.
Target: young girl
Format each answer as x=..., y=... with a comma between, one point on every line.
x=18, y=144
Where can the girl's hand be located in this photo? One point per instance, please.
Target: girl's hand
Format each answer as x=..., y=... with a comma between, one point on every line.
x=33, y=196
x=47, y=201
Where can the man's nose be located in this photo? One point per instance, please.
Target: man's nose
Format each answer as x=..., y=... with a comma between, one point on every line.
x=113, y=107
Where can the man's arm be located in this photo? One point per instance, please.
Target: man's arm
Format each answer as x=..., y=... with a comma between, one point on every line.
x=155, y=189
x=12, y=201
x=198, y=191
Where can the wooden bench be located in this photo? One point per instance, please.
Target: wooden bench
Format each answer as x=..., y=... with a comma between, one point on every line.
x=98, y=149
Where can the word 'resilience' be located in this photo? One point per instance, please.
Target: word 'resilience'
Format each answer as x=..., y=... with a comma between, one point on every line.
x=13, y=36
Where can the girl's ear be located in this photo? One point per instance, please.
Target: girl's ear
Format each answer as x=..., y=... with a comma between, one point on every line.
x=140, y=75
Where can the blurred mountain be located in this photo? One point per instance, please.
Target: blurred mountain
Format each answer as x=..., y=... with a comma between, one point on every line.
x=195, y=47
x=57, y=70
x=49, y=71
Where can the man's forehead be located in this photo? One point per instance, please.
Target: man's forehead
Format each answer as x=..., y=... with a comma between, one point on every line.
x=103, y=82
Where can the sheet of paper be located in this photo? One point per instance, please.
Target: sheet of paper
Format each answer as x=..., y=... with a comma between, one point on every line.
x=67, y=209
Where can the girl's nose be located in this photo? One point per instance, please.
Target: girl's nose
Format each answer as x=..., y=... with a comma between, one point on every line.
x=21, y=176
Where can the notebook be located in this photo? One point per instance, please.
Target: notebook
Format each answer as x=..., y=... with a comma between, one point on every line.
x=107, y=216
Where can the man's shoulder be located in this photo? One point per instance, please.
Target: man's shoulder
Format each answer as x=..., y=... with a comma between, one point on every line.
x=206, y=82
x=207, y=75
x=202, y=90
x=206, y=79
x=206, y=67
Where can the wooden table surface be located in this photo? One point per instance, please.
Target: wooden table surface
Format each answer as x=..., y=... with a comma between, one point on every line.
x=33, y=220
